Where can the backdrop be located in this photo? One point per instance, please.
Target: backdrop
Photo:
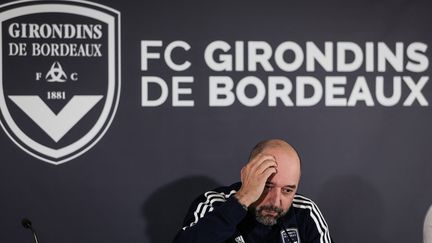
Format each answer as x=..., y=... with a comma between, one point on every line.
x=180, y=91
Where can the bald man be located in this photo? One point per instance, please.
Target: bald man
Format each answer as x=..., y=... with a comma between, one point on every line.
x=263, y=207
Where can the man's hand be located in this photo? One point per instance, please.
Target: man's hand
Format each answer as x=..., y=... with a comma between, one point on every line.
x=254, y=176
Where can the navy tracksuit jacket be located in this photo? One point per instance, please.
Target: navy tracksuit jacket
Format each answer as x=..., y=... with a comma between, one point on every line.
x=217, y=217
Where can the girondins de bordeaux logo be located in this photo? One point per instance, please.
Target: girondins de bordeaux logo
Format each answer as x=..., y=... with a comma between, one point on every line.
x=59, y=75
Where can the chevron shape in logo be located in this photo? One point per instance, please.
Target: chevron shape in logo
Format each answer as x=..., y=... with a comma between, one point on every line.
x=56, y=125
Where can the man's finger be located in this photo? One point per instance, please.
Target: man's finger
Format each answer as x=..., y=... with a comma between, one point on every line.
x=241, y=174
x=268, y=172
x=264, y=165
x=259, y=159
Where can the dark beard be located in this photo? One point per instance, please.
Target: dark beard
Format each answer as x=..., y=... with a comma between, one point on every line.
x=268, y=219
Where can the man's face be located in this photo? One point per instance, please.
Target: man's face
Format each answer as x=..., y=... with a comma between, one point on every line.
x=280, y=188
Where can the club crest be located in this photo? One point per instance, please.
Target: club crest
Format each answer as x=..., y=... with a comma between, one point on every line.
x=60, y=75
x=290, y=235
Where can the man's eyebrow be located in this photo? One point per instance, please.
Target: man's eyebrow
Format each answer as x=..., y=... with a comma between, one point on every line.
x=289, y=186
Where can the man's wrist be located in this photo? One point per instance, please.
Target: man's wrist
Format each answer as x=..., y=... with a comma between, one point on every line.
x=242, y=200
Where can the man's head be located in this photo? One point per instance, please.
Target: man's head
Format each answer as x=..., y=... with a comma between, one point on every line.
x=280, y=188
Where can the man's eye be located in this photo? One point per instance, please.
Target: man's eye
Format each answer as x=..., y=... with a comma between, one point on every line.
x=287, y=191
x=267, y=186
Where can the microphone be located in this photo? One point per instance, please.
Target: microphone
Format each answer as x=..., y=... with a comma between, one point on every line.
x=26, y=223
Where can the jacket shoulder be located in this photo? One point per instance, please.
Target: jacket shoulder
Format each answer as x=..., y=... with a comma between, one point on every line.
x=208, y=201
x=308, y=213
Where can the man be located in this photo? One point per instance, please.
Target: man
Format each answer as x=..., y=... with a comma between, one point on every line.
x=264, y=207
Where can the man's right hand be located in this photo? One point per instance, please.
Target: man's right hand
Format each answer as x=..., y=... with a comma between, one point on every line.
x=254, y=176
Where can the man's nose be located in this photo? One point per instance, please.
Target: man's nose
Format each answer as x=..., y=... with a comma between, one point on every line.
x=275, y=197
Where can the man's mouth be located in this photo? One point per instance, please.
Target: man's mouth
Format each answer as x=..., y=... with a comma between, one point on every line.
x=269, y=212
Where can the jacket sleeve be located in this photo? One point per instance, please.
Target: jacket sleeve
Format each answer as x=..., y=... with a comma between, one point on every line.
x=211, y=219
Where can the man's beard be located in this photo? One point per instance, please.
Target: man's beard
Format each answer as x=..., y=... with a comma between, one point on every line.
x=268, y=220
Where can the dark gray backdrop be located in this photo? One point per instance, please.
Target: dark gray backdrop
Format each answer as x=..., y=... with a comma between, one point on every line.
x=368, y=168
